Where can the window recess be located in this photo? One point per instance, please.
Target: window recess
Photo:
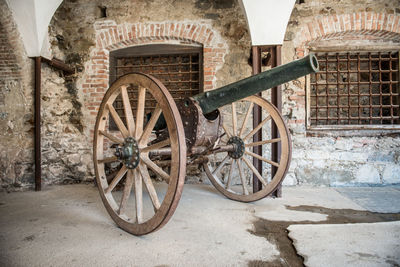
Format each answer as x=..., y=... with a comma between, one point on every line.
x=178, y=67
x=354, y=90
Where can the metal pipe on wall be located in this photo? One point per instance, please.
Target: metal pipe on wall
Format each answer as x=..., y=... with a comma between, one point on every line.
x=38, y=155
x=256, y=69
x=276, y=100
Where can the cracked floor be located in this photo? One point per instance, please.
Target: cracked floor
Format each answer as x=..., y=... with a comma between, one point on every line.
x=68, y=226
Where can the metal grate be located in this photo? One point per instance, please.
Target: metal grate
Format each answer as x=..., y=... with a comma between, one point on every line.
x=355, y=89
x=179, y=71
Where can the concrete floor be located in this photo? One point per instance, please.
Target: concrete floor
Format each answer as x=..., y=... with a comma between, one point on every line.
x=68, y=226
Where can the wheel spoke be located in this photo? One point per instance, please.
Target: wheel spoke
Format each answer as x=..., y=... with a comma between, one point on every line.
x=130, y=121
x=140, y=112
x=149, y=185
x=276, y=140
x=245, y=191
x=246, y=118
x=221, y=165
x=257, y=128
x=156, y=146
x=155, y=168
x=126, y=193
x=254, y=170
x=228, y=183
x=116, y=179
x=234, y=119
x=107, y=159
x=150, y=125
x=118, y=121
x=226, y=130
x=130, y=193
x=111, y=137
x=261, y=158
x=138, y=196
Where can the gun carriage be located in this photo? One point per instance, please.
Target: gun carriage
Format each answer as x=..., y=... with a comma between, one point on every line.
x=152, y=148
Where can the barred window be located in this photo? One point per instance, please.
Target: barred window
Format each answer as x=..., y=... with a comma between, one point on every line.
x=178, y=67
x=355, y=88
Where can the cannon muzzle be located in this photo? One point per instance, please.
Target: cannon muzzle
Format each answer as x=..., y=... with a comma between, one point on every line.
x=212, y=100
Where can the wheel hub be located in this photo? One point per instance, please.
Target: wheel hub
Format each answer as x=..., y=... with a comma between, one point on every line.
x=128, y=153
x=238, y=146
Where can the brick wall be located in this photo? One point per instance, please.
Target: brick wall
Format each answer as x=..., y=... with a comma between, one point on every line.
x=347, y=157
x=9, y=68
x=362, y=26
x=110, y=36
x=369, y=24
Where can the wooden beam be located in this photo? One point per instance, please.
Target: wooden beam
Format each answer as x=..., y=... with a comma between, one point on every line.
x=58, y=64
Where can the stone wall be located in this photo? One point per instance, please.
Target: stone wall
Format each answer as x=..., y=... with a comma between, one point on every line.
x=337, y=158
x=16, y=110
x=83, y=32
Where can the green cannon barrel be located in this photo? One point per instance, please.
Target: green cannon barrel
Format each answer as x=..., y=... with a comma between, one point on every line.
x=212, y=100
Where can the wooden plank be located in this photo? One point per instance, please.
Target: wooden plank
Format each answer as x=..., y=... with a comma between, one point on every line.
x=226, y=130
x=228, y=183
x=257, y=128
x=221, y=165
x=263, y=159
x=234, y=119
x=118, y=121
x=155, y=168
x=255, y=171
x=246, y=118
x=149, y=185
x=245, y=191
x=111, y=137
x=138, y=196
x=107, y=159
x=130, y=121
x=116, y=179
x=150, y=125
x=275, y=140
x=140, y=112
x=126, y=193
x=156, y=146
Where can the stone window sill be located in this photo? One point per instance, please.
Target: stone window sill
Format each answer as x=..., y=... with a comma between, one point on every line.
x=354, y=130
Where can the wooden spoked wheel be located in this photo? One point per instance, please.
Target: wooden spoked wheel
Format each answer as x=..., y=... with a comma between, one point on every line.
x=232, y=172
x=128, y=151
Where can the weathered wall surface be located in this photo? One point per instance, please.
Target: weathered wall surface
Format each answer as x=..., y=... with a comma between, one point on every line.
x=339, y=158
x=66, y=151
x=83, y=32
x=16, y=110
x=69, y=104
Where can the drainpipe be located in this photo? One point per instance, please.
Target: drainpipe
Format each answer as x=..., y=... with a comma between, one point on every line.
x=38, y=168
x=276, y=100
x=256, y=68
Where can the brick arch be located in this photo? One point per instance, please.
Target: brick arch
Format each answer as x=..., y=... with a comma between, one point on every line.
x=371, y=24
x=110, y=36
x=360, y=26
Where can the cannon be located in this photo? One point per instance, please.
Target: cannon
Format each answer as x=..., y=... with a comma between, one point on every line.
x=153, y=144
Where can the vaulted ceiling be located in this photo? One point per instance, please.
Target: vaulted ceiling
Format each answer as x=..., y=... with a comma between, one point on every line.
x=267, y=21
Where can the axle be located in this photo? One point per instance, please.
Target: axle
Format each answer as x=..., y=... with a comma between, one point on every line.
x=212, y=100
